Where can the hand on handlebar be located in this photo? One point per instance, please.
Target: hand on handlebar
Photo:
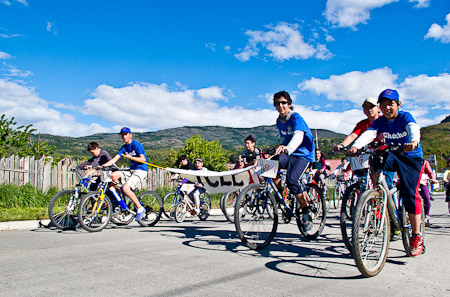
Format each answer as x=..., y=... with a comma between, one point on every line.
x=280, y=149
x=338, y=147
x=351, y=151
x=409, y=147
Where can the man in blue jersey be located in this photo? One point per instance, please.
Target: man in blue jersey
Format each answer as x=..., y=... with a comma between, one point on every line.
x=398, y=126
x=134, y=151
x=295, y=152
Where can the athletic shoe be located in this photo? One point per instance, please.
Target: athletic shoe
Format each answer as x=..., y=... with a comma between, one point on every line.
x=307, y=221
x=140, y=214
x=416, y=245
x=427, y=223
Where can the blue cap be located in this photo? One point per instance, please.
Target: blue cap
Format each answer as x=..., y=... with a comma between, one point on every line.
x=388, y=94
x=125, y=130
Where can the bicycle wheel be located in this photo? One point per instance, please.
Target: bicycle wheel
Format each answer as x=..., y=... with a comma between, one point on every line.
x=351, y=197
x=204, y=210
x=153, y=208
x=370, y=234
x=170, y=201
x=63, y=209
x=94, y=213
x=407, y=230
x=255, y=227
x=337, y=196
x=318, y=213
x=123, y=217
x=205, y=197
x=228, y=205
x=180, y=211
x=326, y=196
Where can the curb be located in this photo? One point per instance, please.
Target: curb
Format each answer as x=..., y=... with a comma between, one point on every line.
x=33, y=224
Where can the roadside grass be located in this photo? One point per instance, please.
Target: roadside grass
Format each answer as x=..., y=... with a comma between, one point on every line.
x=19, y=203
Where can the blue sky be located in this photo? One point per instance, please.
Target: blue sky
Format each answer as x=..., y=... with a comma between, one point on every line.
x=80, y=67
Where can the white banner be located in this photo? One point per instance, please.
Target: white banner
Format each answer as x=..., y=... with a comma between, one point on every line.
x=220, y=182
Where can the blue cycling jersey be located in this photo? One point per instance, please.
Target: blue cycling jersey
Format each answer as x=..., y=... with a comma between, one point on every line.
x=135, y=149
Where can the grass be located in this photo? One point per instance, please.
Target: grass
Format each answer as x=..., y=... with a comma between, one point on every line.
x=19, y=203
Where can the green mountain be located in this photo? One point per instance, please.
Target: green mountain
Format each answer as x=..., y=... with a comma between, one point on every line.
x=436, y=141
x=159, y=143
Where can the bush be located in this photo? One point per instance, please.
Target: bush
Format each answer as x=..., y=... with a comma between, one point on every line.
x=14, y=196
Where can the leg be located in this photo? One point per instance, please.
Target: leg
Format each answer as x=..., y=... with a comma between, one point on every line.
x=129, y=192
x=425, y=193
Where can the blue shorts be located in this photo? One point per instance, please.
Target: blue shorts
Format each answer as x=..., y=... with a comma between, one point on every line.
x=295, y=166
x=410, y=171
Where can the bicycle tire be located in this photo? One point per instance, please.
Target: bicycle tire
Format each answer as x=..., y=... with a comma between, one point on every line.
x=205, y=197
x=337, y=196
x=221, y=201
x=180, y=211
x=407, y=231
x=63, y=215
x=318, y=213
x=349, y=200
x=123, y=217
x=153, y=205
x=254, y=226
x=229, y=204
x=204, y=210
x=326, y=196
x=94, y=221
x=170, y=200
x=369, y=255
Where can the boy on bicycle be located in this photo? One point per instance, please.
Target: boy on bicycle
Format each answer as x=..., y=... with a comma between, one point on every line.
x=251, y=153
x=296, y=151
x=399, y=127
x=134, y=151
x=99, y=157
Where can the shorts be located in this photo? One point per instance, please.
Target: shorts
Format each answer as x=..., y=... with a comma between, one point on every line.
x=410, y=171
x=295, y=166
x=134, y=178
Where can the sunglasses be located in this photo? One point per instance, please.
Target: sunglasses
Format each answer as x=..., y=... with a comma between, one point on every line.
x=281, y=103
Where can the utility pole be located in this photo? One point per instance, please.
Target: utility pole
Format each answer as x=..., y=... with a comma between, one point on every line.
x=317, y=140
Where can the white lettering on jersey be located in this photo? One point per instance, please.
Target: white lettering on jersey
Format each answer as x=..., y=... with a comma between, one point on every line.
x=397, y=135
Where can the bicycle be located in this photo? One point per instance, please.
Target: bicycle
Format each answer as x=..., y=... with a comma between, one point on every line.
x=171, y=199
x=375, y=213
x=185, y=204
x=256, y=212
x=96, y=208
x=63, y=207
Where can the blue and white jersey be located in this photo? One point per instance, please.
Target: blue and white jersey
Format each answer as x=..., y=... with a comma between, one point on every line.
x=294, y=122
x=135, y=149
x=395, y=131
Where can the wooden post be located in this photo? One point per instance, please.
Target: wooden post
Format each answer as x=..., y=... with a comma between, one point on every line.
x=47, y=176
x=26, y=166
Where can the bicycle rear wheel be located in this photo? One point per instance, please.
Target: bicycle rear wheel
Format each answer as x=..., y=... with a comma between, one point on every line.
x=229, y=203
x=94, y=213
x=153, y=208
x=407, y=230
x=370, y=234
x=255, y=227
x=170, y=201
x=123, y=217
x=63, y=209
x=351, y=197
x=318, y=212
x=204, y=210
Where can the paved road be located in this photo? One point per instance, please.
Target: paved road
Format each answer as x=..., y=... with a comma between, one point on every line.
x=206, y=259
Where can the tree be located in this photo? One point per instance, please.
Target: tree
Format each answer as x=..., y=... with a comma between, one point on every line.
x=17, y=140
x=212, y=153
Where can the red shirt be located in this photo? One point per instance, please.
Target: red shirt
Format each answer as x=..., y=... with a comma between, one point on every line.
x=361, y=127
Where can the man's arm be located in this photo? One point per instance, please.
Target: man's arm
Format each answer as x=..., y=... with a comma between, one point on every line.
x=367, y=137
x=112, y=161
x=346, y=142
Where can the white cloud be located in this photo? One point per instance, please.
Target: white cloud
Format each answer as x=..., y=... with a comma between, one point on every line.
x=438, y=32
x=420, y=3
x=353, y=86
x=211, y=46
x=4, y=56
x=284, y=42
x=349, y=13
x=27, y=107
x=10, y=35
x=13, y=71
x=427, y=90
x=50, y=27
x=210, y=93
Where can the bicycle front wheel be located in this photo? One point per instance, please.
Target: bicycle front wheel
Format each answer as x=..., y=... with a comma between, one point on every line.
x=180, y=211
x=170, y=201
x=153, y=208
x=255, y=217
x=370, y=234
x=348, y=206
x=94, y=213
x=318, y=212
x=62, y=210
x=337, y=196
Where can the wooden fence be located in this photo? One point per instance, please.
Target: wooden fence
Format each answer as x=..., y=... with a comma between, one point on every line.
x=41, y=174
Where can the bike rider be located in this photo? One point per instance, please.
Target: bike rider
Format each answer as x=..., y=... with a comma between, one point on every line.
x=251, y=153
x=296, y=151
x=99, y=157
x=195, y=194
x=398, y=126
x=132, y=149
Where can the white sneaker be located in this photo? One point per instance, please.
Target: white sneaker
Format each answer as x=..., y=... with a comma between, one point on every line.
x=140, y=214
x=197, y=211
